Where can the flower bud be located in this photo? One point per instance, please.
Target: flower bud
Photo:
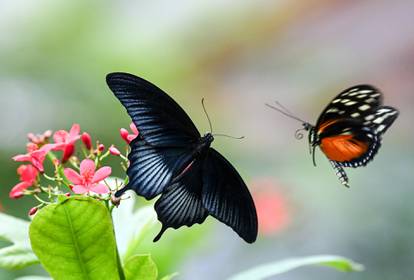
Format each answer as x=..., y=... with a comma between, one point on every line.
x=68, y=152
x=15, y=194
x=114, y=151
x=101, y=147
x=67, y=194
x=47, y=133
x=87, y=141
x=124, y=134
x=33, y=211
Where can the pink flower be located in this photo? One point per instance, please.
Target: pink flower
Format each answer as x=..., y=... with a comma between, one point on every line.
x=39, y=138
x=114, y=151
x=87, y=141
x=129, y=137
x=35, y=156
x=65, y=141
x=28, y=175
x=271, y=207
x=88, y=180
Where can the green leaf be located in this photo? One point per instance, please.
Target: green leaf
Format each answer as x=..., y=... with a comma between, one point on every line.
x=33, y=278
x=19, y=254
x=271, y=269
x=74, y=239
x=140, y=267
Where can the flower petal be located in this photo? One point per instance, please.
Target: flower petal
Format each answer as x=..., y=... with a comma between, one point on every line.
x=58, y=146
x=21, y=158
x=124, y=134
x=48, y=147
x=131, y=137
x=60, y=136
x=73, y=176
x=27, y=173
x=79, y=189
x=134, y=129
x=87, y=167
x=17, y=190
x=101, y=174
x=75, y=130
x=100, y=189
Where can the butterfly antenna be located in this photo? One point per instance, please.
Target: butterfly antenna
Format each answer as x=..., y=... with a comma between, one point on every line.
x=284, y=111
x=229, y=136
x=208, y=118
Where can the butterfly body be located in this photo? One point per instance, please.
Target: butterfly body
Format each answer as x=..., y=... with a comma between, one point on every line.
x=171, y=159
x=203, y=145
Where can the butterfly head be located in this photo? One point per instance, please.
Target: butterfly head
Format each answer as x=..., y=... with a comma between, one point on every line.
x=312, y=138
x=208, y=138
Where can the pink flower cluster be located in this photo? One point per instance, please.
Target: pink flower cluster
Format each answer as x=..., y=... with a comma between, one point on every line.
x=87, y=178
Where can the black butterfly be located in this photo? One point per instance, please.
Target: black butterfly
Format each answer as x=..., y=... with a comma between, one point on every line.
x=349, y=130
x=171, y=158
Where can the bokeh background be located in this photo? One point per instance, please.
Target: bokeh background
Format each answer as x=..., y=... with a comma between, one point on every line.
x=54, y=56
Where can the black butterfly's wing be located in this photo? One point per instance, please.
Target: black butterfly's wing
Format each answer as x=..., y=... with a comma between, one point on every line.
x=167, y=134
x=181, y=203
x=226, y=196
x=152, y=168
x=355, y=102
x=160, y=120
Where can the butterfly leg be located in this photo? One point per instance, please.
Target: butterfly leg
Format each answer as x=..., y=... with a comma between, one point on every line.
x=340, y=172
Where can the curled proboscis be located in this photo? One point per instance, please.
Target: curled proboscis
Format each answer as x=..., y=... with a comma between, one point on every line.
x=299, y=133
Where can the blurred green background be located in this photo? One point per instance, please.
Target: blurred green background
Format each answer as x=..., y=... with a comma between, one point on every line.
x=54, y=56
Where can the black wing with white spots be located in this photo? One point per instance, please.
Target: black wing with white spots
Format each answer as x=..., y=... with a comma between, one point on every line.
x=355, y=102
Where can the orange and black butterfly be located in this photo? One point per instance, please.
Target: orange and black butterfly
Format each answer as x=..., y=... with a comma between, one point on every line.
x=349, y=131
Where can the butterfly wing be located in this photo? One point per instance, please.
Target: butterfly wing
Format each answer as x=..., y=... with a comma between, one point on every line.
x=181, y=203
x=354, y=102
x=350, y=128
x=161, y=122
x=152, y=168
x=349, y=142
x=226, y=196
x=167, y=134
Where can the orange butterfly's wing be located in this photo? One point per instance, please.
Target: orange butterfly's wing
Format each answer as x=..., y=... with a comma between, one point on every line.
x=343, y=148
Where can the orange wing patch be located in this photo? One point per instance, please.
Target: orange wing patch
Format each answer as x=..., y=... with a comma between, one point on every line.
x=324, y=125
x=343, y=148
